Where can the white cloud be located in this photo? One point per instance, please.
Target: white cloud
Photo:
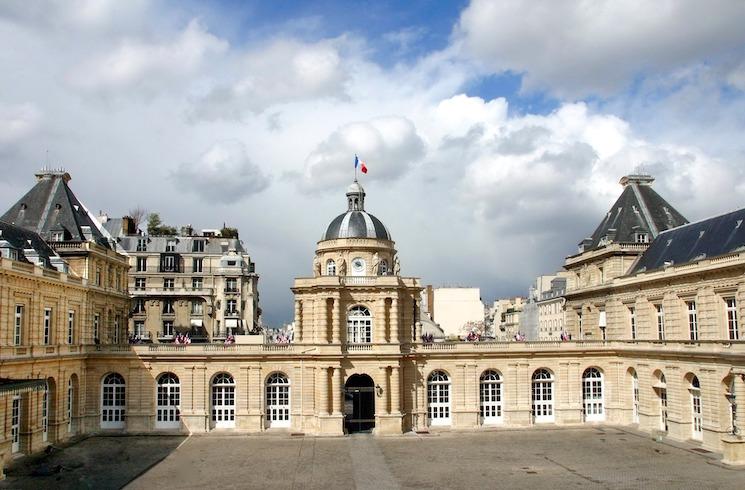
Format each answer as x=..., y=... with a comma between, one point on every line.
x=223, y=174
x=18, y=121
x=597, y=47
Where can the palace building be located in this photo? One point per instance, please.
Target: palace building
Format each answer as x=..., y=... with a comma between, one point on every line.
x=653, y=306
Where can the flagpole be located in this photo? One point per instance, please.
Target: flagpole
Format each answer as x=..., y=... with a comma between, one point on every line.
x=355, y=168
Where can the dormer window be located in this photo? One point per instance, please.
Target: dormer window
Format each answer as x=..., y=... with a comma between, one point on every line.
x=171, y=246
x=58, y=236
x=142, y=244
x=197, y=246
x=603, y=241
x=640, y=237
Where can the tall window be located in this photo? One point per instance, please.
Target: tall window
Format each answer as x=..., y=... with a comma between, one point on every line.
x=491, y=397
x=231, y=285
x=635, y=398
x=141, y=264
x=383, y=267
x=592, y=395
x=662, y=395
x=139, y=283
x=15, y=425
x=197, y=246
x=660, y=321
x=96, y=322
x=98, y=276
x=223, y=401
x=168, y=263
x=697, y=431
x=692, y=320
x=139, y=327
x=113, y=402
x=632, y=319
x=330, y=268
x=139, y=306
x=168, y=307
x=45, y=414
x=543, y=399
x=278, y=400
x=438, y=398
x=71, y=326
x=231, y=306
x=196, y=264
x=18, y=326
x=579, y=323
x=359, y=325
x=116, y=329
x=70, y=401
x=732, y=328
x=168, y=399
x=167, y=328
x=141, y=244
x=47, y=326
x=196, y=307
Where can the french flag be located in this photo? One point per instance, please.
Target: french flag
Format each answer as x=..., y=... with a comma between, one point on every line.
x=361, y=164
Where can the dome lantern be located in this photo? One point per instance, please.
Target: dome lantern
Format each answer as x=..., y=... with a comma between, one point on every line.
x=356, y=222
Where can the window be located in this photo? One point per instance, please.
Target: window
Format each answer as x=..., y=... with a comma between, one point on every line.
x=231, y=285
x=196, y=307
x=491, y=397
x=47, y=326
x=139, y=306
x=141, y=264
x=18, y=326
x=634, y=398
x=662, y=396
x=170, y=245
x=359, y=325
x=140, y=283
x=196, y=283
x=660, y=321
x=167, y=328
x=139, y=329
x=70, y=401
x=15, y=425
x=168, y=400
x=196, y=264
x=438, y=398
x=168, y=283
x=231, y=306
x=113, y=402
x=732, y=328
x=278, y=400
x=116, y=329
x=543, y=400
x=45, y=414
x=58, y=236
x=168, y=263
x=592, y=395
x=383, y=267
x=330, y=268
x=98, y=276
x=641, y=238
x=223, y=401
x=692, y=320
x=197, y=246
x=141, y=245
x=168, y=307
x=70, y=326
x=697, y=431
x=632, y=319
x=96, y=322
x=579, y=323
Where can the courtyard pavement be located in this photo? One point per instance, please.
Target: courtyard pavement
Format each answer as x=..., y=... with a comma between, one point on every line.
x=587, y=457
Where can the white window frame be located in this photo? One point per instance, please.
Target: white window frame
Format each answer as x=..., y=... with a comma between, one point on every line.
x=697, y=431
x=593, y=395
x=660, y=314
x=168, y=307
x=167, y=328
x=169, y=283
x=330, y=267
x=140, y=283
x=733, y=331
x=222, y=391
x=96, y=323
x=197, y=264
x=45, y=414
x=634, y=398
x=632, y=318
x=197, y=283
x=70, y=327
x=18, y=325
x=47, y=334
x=116, y=329
x=277, y=400
x=70, y=401
x=359, y=325
x=490, y=397
x=141, y=264
x=170, y=245
x=438, y=399
x=113, y=402
x=15, y=424
x=542, y=384
x=692, y=320
x=197, y=307
x=662, y=398
x=168, y=402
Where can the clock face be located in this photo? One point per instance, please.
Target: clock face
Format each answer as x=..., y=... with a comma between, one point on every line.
x=358, y=266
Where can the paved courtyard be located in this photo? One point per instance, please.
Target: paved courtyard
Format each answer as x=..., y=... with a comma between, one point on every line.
x=604, y=457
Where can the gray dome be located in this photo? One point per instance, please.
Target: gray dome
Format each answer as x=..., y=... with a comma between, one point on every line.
x=356, y=224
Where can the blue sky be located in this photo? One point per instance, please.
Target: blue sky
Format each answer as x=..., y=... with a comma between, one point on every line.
x=495, y=131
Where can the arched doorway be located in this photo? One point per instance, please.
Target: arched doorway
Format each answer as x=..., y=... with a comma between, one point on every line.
x=359, y=404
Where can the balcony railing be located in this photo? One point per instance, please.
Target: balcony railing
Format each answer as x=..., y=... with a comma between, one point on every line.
x=232, y=313
x=232, y=290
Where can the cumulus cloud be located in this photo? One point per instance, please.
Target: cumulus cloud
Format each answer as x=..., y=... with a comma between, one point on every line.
x=390, y=145
x=283, y=71
x=18, y=121
x=583, y=48
x=224, y=174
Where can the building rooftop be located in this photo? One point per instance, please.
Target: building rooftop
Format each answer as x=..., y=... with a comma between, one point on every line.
x=27, y=243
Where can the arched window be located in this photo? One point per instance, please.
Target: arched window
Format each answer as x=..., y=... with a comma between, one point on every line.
x=330, y=267
x=383, y=267
x=592, y=395
x=359, y=325
x=168, y=400
x=543, y=399
x=223, y=401
x=113, y=402
x=278, y=400
x=634, y=397
x=491, y=397
x=438, y=398
x=661, y=388
x=697, y=431
x=72, y=384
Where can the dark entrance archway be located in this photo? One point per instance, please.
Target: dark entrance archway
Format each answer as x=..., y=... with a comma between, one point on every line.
x=359, y=404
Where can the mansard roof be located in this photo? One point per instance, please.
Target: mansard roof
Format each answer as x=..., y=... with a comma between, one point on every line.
x=711, y=237
x=21, y=240
x=50, y=206
x=639, y=209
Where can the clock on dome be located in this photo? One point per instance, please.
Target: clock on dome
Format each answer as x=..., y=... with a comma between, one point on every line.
x=358, y=266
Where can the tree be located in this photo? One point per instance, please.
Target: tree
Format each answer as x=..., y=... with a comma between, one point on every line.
x=137, y=214
x=156, y=227
x=228, y=232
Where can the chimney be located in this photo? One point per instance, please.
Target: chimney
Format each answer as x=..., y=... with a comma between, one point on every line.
x=638, y=179
x=128, y=226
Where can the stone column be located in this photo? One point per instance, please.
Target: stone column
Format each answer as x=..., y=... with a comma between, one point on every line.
x=335, y=327
x=395, y=390
x=336, y=387
x=739, y=392
x=298, y=321
x=395, y=320
x=323, y=385
x=384, y=383
x=379, y=335
x=734, y=445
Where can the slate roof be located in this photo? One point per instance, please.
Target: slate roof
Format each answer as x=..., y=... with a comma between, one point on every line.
x=356, y=222
x=711, y=237
x=50, y=206
x=184, y=244
x=21, y=238
x=638, y=209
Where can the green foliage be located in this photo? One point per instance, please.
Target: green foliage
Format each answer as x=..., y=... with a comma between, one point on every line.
x=228, y=232
x=155, y=226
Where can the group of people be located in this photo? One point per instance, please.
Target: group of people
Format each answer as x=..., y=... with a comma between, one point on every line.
x=520, y=337
x=229, y=340
x=182, y=339
x=565, y=337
